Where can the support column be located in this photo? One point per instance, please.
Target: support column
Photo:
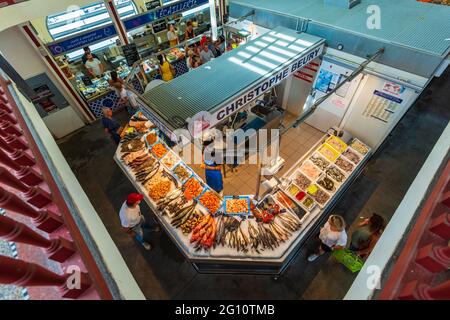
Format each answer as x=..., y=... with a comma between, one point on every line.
x=25, y=274
x=57, y=249
x=118, y=24
x=212, y=13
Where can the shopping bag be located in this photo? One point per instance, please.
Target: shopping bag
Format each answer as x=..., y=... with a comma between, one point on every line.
x=349, y=259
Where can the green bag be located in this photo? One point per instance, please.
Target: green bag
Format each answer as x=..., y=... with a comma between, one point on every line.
x=349, y=259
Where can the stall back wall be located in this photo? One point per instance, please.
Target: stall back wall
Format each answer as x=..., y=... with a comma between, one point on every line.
x=27, y=62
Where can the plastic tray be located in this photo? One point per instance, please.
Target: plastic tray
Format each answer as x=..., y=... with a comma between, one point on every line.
x=336, y=143
x=203, y=206
x=313, y=179
x=187, y=169
x=355, y=140
x=157, y=138
x=165, y=146
x=245, y=214
x=176, y=163
x=326, y=147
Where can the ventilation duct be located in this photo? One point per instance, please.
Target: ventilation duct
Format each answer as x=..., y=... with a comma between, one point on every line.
x=342, y=3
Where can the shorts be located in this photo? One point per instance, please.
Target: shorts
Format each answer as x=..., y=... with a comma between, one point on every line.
x=325, y=247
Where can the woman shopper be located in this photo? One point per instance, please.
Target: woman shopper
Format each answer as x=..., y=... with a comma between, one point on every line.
x=166, y=70
x=127, y=98
x=366, y=235
x=189, y=32
x=132, y=220
x=332, y=235
x=115, y=79
x=172, y=35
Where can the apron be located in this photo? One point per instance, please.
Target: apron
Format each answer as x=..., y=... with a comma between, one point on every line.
x=214, y=179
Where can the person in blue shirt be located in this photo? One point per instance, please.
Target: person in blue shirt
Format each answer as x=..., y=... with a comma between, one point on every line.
x=112, y=127
x=213, y=171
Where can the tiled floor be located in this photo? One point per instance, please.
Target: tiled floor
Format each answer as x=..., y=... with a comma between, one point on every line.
x=294, y=144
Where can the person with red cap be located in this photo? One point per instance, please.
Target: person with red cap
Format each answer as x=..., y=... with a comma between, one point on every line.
x=132, y=219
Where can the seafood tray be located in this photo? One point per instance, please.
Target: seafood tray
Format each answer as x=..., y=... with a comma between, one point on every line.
x=310, y=170
x=335, y=174
x=293, y=189
x=336, y=143
x=159, y=187
x=309, y=203
x=289, y=204
x=170, y=160
x=159, y=150
x=319, y=161
x=192, y=188
x=319, y=195
x=300, y=179
x=151, y=138
x=359, y=147
x=210, y=201
x=344, y=165
x=132, y=146
x=328, y=152
x=237, y=205
x=182, y=173
x=352, y=156
x=327, y=184
x=298, y=196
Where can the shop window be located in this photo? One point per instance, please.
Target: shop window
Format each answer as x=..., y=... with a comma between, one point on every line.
x=71, y=22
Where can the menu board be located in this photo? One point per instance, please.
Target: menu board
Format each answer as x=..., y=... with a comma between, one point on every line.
x=131, y=53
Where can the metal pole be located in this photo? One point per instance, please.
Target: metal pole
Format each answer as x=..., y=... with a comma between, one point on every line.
x=213, y=17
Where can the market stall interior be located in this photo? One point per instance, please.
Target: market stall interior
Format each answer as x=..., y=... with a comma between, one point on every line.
x=148, y=33
x=242, y=230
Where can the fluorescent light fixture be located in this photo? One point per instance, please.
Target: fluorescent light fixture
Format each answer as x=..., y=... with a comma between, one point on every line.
x=263, y=62
x=282, y=43
x=296, y=48
x=195, y=10
x=282, y=51
x=248, y=66
x=269, y=39
x=303, y=42
x=273, y=57
x=244, y=55
x=282, y=36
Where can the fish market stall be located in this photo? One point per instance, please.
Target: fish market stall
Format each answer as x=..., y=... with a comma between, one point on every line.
x=236, y=233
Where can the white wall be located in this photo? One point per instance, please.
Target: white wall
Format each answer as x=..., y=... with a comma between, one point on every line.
x=28, y=63
x=370, y=130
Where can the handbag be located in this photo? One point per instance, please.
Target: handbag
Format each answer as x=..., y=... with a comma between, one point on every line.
x=349, y=259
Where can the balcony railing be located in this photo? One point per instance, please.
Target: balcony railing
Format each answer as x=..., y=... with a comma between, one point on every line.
x=46, y=209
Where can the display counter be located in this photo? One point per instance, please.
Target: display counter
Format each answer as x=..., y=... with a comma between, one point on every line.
x=97, y=92
x=236, y=233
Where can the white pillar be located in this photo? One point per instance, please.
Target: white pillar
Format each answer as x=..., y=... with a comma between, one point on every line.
x=212, y=11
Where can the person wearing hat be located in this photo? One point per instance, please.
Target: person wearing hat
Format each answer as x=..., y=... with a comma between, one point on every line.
x=131, y=218
x=332, y=235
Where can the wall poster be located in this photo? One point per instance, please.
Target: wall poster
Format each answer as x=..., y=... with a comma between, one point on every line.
x=382, y=106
